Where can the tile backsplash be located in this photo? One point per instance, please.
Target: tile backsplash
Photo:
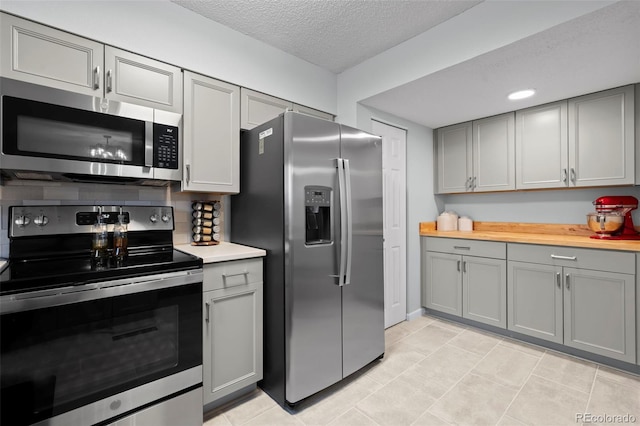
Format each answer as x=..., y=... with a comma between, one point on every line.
x=13, y=192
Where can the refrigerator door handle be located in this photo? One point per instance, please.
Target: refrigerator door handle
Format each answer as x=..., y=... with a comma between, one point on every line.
x=343, y=222
x=347, y=173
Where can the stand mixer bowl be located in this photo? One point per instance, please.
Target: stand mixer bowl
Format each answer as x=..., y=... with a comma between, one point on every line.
x=605, y=223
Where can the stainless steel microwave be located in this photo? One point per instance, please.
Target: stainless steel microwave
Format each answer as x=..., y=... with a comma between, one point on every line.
x=51, y=134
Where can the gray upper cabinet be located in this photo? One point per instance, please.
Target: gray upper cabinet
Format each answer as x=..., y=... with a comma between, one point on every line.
x=542, y=147
x=476, y=156
x=258, y=108
x=42, y=55
x=601, y=138
x=143, y=81
x=313, y=112
x=454, y=158
x=493, y=154
x=211, y=160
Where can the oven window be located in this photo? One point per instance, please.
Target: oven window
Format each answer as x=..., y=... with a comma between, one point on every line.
x=60, y=358
x=44, y=130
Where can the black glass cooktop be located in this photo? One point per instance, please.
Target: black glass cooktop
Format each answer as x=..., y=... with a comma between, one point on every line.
x=39, y=274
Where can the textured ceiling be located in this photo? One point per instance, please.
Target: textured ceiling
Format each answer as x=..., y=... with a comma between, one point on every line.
x=333, y=34
x=596, y=51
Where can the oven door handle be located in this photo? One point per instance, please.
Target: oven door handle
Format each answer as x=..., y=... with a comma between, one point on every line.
x=101, y=290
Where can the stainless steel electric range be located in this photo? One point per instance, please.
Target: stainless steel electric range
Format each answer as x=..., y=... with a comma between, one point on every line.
x=108, y=340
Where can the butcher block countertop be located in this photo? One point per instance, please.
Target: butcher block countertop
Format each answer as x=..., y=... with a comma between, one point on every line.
x=532, y=233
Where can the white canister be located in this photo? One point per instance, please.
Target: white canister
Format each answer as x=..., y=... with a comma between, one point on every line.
x=465, y=224
x=447, y=222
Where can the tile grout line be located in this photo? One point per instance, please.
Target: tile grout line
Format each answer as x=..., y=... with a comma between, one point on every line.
x=506, y=410
x=593, y=385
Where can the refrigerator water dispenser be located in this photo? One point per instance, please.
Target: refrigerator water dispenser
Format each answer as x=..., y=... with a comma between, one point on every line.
x=317, y=215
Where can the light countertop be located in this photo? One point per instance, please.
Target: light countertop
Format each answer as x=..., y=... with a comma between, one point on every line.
x=222, y=252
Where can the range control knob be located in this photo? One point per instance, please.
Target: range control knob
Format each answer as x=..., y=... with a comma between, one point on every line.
x=22, y=221
x=153, y=218
x=166, y=218
x=41, y=220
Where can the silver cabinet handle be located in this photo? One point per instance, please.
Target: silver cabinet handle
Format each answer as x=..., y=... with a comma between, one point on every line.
x=556, y=256
x=206, y=311
x=467, y=184
x=573, y=175
x=188, y=170
x=225, y=276
x=96, y=78
x=109, y=83
x=464, y=267
x=461, y=248
x=564, y=175
x=473, y=183
x=458, y=266
x=558, y=280
x=566, y=281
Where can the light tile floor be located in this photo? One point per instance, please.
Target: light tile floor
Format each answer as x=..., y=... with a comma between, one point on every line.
x=436, y=372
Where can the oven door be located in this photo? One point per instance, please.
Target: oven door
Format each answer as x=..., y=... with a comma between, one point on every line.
x=89, y=354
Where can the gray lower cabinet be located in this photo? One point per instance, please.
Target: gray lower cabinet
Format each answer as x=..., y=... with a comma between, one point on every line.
x=232, y=329
x=470, y=285
x=582, y=298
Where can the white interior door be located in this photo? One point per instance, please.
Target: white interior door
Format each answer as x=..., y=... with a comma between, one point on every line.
x=394, y=153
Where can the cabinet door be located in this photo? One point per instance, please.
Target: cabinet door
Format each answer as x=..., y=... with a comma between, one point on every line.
x=211, y=135
x=443, y=282
x=313, y=112
x=535, y=300
x=542, y=147
x=232, y=338
x=599, y=313
x=484, y=290
x=493, y=153
x=453, y=157
x=142, y=81
x=42, y=55
x=601, y=138
x=258, y=108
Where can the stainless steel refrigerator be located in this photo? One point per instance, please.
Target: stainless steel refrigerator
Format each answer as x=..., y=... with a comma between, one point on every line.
x=311, y=196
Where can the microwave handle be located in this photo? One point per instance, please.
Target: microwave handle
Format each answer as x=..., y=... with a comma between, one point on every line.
x=148, y=144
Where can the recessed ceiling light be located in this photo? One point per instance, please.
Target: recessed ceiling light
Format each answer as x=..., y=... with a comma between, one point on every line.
x=521, y=94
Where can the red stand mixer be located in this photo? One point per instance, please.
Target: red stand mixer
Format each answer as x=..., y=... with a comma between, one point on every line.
x=612, y=218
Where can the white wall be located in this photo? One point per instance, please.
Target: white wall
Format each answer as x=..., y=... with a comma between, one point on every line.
x=548, y=206
x=168, y=32
x=421, y=204
x=480, y=29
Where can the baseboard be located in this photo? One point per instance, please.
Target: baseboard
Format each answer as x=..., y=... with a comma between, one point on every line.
x=415, y=314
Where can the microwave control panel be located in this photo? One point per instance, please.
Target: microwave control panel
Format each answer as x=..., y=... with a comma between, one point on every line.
x=165, y=146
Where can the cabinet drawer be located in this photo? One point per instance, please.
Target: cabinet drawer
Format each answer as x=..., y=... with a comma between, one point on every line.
x=492, y=249
x=599, y=260
x=232, y=273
